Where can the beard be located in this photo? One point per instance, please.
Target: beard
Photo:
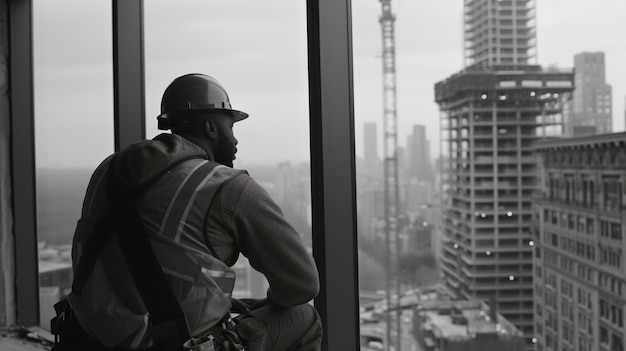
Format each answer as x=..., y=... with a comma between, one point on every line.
x=225, y=156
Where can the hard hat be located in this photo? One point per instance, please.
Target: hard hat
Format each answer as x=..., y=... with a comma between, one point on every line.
x=194, y=92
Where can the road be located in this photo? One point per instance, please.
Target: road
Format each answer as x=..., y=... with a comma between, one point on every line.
x=408, y=342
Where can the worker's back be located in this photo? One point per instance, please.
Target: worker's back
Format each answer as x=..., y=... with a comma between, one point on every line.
x=173, y=213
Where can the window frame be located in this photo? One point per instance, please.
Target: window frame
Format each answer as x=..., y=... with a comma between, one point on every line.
x=333, y=181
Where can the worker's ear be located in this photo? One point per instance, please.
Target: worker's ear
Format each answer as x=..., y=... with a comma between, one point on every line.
x=210, y=128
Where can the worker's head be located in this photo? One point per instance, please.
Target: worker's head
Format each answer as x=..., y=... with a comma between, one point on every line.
x=197, y=107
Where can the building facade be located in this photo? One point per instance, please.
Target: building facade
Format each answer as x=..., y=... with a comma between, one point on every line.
x=419, y=165
x=499, y=32
x=580, y=286
x=490, y=120
x=591, y=105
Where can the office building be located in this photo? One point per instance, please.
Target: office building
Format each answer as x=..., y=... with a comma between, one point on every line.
x=499, y=32
x=580, y=286
x=490, y=120
x=418, y=155
x=591, y=111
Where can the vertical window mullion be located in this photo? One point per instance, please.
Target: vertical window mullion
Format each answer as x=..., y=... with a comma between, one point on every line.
x=23, y=162
x=333, y=188
x=128, y=72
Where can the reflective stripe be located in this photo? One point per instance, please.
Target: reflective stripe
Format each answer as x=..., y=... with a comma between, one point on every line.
x=214, y=273
x=184, y=221
x=225, y=280
x=141, y=332
x=176, y=194
x=178, y=275
x=190, y=202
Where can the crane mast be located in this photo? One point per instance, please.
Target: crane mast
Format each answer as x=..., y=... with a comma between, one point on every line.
x=390, y=137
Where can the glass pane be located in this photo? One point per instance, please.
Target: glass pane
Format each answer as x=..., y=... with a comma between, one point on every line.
x=73, y=127
x=485, y=88
x=395, y=257
x=257, y=50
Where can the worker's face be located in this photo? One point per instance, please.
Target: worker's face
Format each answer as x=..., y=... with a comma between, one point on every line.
x=225, y=143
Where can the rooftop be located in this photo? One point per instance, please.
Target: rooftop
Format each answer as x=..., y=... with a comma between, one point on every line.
x=589, y=141
x=463, y=320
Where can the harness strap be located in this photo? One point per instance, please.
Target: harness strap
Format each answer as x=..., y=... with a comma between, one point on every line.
x=170, y=329
x=169, y=325
x=103, y=230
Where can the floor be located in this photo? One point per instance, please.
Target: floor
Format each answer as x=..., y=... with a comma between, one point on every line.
x=23, y=341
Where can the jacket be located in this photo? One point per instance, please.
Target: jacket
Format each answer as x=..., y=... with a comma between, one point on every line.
x=199, y=216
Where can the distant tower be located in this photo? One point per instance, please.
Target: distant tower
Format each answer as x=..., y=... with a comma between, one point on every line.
x=591, y=104
x=370, y=143
x=499, y=32
x=418, y=152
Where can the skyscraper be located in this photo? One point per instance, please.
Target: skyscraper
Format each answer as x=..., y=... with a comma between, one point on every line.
x=499, y=32
x=418, y=154
x=492, y=112
x=591, y=104
x=490, y=121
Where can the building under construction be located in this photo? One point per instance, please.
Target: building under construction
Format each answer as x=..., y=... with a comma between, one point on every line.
x=499, y=32
x=490, y=119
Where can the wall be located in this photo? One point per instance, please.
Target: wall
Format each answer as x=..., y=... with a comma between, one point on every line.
x=7, y=292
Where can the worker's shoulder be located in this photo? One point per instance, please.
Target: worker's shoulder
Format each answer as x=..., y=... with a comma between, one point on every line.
x=241, y=182
x=236, y=178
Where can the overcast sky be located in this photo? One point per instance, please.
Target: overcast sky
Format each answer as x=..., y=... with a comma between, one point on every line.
x=257, y=49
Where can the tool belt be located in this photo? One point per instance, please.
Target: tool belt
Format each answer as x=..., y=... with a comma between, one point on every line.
x=70, y=336
x=222, y=337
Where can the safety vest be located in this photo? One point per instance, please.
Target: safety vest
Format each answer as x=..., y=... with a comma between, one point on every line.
x=174, y=215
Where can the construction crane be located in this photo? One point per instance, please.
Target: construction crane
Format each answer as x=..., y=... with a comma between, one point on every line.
x=390, y=138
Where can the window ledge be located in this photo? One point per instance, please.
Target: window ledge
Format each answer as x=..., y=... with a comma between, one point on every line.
x=17, y=341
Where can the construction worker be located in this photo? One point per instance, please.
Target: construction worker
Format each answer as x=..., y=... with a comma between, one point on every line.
x=198, y=214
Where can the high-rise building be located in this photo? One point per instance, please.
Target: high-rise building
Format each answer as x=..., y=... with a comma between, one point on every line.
x=492, y=113
x=490, y=119
x=499, y=32
x=418, y=154
x=580, y=243
x=590, y=109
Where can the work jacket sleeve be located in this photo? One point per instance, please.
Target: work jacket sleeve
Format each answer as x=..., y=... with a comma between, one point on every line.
x=273, y=246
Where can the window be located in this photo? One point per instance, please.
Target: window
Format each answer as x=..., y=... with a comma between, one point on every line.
x=333, y=110
x=242, y=49
x=611, y=193
x=73, y=89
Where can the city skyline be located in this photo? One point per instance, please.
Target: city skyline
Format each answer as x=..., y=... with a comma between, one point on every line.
x=422, y=61
x=265, y=71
